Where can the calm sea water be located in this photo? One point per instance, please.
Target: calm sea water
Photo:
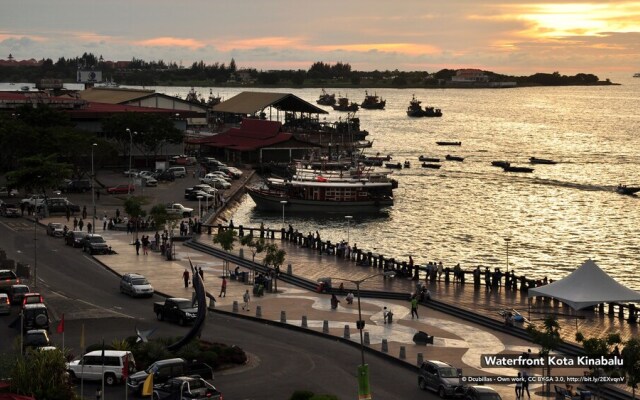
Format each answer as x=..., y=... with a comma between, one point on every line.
x=556, y=217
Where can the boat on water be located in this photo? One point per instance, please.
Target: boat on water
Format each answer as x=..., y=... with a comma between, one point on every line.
x=535, y=160
x=501, y=164
x=415, y=110
x=449, y=157
x=624, y=189
x=393, y=165
x=513, y=168
x=323, y=196
x=636, y=75
x=428, y=159
x=213, y=100
x=345, y=105
x=326, y=99
x=449, y=143
x=374, y=102
x=431, y=165
x=376, y=160
x=407, y=164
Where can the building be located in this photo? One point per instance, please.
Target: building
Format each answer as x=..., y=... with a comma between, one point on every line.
x=469, y=76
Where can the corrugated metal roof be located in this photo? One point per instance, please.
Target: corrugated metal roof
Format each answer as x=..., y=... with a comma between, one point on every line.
x=253, y=102
x=113, y=95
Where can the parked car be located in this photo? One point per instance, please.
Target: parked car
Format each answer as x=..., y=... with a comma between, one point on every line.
x=215, y=181
x=441, y=378
x=8, y=278
x=35, y=338
x=32, y=298
x=5, y=305
x=91, y=366
x=76, y=186
x=179, y=172
x=7, y=192
x=131, y=173
x=233, y=171
x=10, y=210
x=55, y=229
x=193, y=195
x=94, y=244
x=33, y=200
x=135, y=285
x=164, y=176
x=121, y=189
x=150, y=181
x=164, y=370
x=16, y=293
x=477, y=392
x=186, y=387
x=74, y=238
x=35, y=316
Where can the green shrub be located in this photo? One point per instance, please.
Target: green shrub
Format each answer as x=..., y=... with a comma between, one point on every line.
x=43, y=375
x=98, y=346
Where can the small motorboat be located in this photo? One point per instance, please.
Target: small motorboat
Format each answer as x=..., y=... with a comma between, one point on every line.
x=393, y=165
x=500, y=164
x=428, y=159
x=624, y=189
x=431, y=165
x=535, y=160
x=454, y=158
x=407, y=164
x=513, y=168
x=449, y=143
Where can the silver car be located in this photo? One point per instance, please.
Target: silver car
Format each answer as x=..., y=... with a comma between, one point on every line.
x=135, y=285
x=5, y=306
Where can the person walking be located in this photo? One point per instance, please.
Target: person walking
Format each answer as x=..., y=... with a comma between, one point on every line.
x=80, y=224
x=137, y=243
x=519, y=385
x=334, y=302
x=75, y=223
x=246, y=297
x=84, y=212
x=104, y=222
x=223, y=288
x=414, y=306
x=68, y=213
x=525, y=384
x=89, y=227
x=145, y=244
x=185, y=277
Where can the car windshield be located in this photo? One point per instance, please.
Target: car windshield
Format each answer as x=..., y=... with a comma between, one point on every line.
x=448, y=372
x=7, y=275
x=139, y=281
x=21, y=289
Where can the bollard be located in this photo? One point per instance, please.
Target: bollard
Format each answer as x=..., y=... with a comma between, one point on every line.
x=367, y=341
x=283, y=317
x=347, y=335
x=325, y=326
x=385, y=346
x=420, y=359
x=403, y=353
x=212, y=303
x=289, y=270
x=259, y=311
x=235, y=306
x=304, y=321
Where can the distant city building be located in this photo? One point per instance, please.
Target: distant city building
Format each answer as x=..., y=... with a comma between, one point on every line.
x=470, y=76
x=11, y=62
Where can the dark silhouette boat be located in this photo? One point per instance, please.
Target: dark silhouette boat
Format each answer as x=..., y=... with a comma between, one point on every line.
x=428, y=159
x=326, y=99
x=535, y=160
x=345, y=105
x=513, y=168
x=407, y=164
x=393, y=165
x=449, y=143
x=500, y=164
x=415, y=110
x=454, y=158
x=629, y=190
x=373, y=102
x=431, y=165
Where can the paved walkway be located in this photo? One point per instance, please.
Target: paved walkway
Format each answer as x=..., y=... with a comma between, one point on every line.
x=458, y=342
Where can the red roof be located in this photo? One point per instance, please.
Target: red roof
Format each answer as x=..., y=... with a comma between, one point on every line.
x=92, y=110
x=252, y=135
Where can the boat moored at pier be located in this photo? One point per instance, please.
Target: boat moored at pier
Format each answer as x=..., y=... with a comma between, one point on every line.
x=345, y=105
x=374, y=102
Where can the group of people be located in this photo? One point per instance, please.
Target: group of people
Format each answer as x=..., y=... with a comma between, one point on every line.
x=186, y=275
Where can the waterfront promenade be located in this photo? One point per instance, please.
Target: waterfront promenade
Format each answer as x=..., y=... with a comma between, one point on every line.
x=459, y=342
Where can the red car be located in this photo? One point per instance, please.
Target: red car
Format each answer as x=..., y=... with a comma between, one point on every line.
x=121, y=189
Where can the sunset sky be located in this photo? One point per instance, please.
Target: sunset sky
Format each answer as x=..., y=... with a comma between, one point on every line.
x=511, y=37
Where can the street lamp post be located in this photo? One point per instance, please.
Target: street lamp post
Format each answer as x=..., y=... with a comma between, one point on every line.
x=93, y=189
x=507, y=240
x=199, y=207
x=364, y=391
x=283, y=202
x=130, y=149
x=348, y=218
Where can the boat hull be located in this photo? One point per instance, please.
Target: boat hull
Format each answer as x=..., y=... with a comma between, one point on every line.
x=267, y=202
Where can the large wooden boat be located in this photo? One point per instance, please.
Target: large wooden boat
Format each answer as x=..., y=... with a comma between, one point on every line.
x=373, y=102
x=624, y=189
x=449, y=157
x=513, y=168
x=323, y=196
x=344, y=105
x=535, y=160
x=326, y=99
x=415, y=110
x=428, y=159
x=449, y=143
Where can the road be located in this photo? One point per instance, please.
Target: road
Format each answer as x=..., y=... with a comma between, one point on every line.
x=283, y=360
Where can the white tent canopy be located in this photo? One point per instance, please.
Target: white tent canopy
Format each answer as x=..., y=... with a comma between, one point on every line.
x=586, y=286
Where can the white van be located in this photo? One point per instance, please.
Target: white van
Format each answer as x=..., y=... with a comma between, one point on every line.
x=90, y=366
x=178, y=172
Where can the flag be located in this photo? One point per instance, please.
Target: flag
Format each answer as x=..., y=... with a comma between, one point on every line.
x=82, y=339
x=147, y=387
x=60, y=328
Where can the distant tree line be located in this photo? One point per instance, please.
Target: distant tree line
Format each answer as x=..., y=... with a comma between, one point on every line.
x=148, y=73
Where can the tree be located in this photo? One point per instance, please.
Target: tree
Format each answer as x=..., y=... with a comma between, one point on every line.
x=256, y=246
x=549, y=339
x=631, y=357
x=275, y=256
x=225, y=239
x=39, y=173
x=133, y=207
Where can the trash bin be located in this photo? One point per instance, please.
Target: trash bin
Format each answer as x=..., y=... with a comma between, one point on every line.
x=242, y=277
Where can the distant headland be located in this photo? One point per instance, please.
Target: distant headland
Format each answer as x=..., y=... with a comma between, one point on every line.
x=339, y=75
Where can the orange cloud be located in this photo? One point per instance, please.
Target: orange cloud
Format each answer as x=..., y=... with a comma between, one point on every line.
x=404, y=48
x=192, y=44
x=252, y=43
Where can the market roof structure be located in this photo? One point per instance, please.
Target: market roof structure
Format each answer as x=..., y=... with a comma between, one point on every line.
x=253, y=102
